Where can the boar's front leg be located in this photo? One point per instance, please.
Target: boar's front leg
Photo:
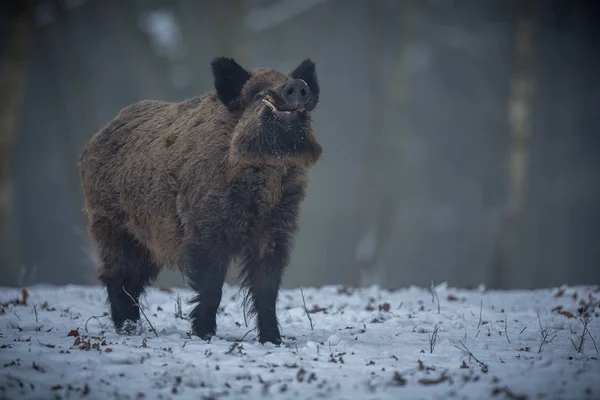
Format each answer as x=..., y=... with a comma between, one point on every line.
x=263, y=272
x=206, y=270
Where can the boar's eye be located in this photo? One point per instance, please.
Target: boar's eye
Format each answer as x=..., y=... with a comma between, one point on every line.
x=257, y=96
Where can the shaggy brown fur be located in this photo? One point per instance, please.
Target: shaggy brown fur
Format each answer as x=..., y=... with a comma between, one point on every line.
x=200, y=183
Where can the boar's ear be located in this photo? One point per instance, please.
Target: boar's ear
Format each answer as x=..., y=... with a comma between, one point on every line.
x=229, y=78
x=307, y=72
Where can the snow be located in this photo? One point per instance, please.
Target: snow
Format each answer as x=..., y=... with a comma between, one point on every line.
x=366, y=344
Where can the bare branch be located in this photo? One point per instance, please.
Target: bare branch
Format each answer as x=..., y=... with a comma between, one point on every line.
x=545, y=336
x=585, y=322
x=506, y=330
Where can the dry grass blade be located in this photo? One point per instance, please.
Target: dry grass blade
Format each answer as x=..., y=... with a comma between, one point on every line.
x=306, y=310
x=434, y=296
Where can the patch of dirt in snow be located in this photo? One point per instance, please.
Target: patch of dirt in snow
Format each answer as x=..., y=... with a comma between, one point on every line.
x=58, y=342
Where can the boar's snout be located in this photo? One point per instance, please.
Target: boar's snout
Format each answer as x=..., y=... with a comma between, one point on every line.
x=296, y=93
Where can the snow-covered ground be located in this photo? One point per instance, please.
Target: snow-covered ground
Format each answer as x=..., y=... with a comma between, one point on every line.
x=365, y=344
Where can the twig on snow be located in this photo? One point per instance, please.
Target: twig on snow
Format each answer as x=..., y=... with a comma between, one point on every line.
x=306, y=310
x=506, y=330
x=434, y=296
x=142, y=311
x=522, y=330
x=433, y=338
x=245, y=334
x=585, y=321
x=36, y=314
x=244, y=311
x=545, y=336
x=96, y=317
x=480, y=314
x=466, y=351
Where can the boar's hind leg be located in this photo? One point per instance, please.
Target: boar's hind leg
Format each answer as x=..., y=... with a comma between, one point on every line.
x=262, y=278
x=206, y=271
x=126, y=266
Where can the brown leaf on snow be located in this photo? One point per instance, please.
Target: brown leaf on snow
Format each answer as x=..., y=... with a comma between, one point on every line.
x=166, y=289
x=384, y=307
x=73, y=332
x=509, y=394
x=25, y=295
x=38, y=368
x=317, y=309
x=56, y=387
x=108, y=350
x=300, y=374
x=464, y=365
x=51, y=346
x=451, y=297
x=345, y=290
x=566, y=314
x=559, y=293
x=369, y=307
x=398, y=380
x=77, y=341
x=427, y=381
x=421, y=365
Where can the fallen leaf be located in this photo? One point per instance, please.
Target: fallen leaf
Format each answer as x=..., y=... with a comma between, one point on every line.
x=56, y=387
x=398, y=380
x=464, y=365
x=73, y=332
x=427, y=381
x=25, y=295
x=77, y=341
x=108, y=350
x=38, y=368
x=166, y=289
x=566, y=314
x=452, y=297
x=317, y=309
x=300, y=374
x=384, y=307
x=509, y=394
x=421, y=365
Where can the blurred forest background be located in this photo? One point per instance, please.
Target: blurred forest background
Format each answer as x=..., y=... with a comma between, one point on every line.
x=461, y=137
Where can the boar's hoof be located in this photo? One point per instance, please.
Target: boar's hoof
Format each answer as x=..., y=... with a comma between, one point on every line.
x=276, y=340
x=127, y=328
